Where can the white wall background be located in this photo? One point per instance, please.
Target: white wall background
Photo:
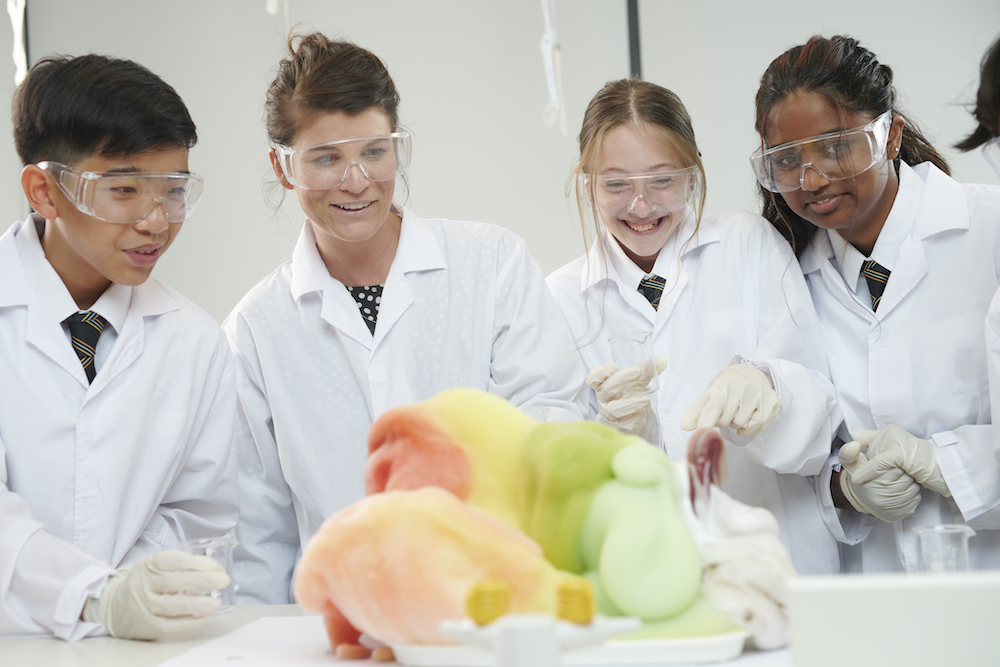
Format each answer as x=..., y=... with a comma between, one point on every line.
x=472, y=85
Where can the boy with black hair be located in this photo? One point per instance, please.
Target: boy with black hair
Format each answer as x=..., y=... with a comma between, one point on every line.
x=117, y=404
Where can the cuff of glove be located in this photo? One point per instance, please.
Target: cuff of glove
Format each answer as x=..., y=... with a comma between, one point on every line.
x=765, y=368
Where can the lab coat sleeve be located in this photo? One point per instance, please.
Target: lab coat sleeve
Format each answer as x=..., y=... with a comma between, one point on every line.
x=846, y=525
x=965, y=456
x=534, y=362
x=267, y=531
x=993, y=366
x=203, y=499
x=789, y=348
x=44, y=581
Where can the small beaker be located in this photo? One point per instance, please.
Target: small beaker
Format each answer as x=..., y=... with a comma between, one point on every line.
x=636, y=349
x=219, y=549
x=944, y=548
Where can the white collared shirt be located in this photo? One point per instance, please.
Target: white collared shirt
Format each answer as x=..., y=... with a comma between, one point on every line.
x=894, y=231
x=95, y=476
x=920, y=361
x=464, y=305
x=735, y=293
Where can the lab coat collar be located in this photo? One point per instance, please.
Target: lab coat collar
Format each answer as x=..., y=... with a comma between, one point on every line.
x=32, y=281
x=612, y=264
x=417, y=250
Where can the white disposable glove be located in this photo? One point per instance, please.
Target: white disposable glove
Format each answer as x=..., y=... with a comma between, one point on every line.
x=915, y=456
x=877, y=485
x=739, y=397
x=162, y=595
x=631, y=414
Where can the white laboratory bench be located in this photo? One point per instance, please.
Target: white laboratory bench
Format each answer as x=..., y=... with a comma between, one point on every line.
x=109, y=652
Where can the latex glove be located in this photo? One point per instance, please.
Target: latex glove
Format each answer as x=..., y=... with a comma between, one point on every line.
x=909, y=452
x=876, y=485
x=628, y=414
x=739, y=397
x=162, y=595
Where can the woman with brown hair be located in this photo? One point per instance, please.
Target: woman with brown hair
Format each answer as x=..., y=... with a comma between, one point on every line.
x=377, y=308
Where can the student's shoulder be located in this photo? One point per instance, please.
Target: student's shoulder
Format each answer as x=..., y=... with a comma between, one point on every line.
x=569, y=274
x=466, y=232
x=741, y=227
x=186, y=316
x=262, y=296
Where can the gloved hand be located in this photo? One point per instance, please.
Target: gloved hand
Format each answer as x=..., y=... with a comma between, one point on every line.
x=628, y=414
x=739, y=397
x=877, y=486
x=913, y=455
x=162, y=595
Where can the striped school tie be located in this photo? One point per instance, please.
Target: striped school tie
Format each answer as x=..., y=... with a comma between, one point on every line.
x=652, y=288
x=877, y=276
x=85, y=329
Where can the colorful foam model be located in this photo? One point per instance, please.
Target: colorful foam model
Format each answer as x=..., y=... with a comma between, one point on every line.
x=465, y=487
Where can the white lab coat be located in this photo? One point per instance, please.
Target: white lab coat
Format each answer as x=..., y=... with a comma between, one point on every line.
x=464, y=304
x=920, y=361
x=734, y=290
x=993, y=365
x=94, y=477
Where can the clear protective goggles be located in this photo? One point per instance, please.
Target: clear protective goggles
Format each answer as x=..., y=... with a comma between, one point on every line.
x=646, y=194
x=835, y=156
x=991, y=153
x=130, y=196
x=327, y=165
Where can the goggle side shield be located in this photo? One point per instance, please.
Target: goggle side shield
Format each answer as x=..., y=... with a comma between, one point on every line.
x=838, y=155
x=128, y=197
x=327, y=165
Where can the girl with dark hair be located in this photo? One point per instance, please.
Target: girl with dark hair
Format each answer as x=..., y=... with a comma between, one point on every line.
x=377, y=308
x=901, y=262
x=721, y=298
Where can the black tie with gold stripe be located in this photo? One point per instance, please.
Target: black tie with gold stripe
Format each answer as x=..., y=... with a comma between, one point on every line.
x=652, y=288
x=877, y=276
x=85, y=329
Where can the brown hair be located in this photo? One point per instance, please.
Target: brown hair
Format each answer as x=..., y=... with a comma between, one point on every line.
x=326, y=76
x=850, y=76
x=987, y=110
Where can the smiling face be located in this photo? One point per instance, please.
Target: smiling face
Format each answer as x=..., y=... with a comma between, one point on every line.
x=355, y=211
x=635, y=222
x=855, y=207
x=90, y=254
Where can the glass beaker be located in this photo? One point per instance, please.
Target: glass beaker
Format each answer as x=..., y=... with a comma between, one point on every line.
x=219, y=549
x=636, y=349
x=944, y=548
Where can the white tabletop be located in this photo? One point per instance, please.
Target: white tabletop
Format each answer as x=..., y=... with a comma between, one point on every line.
x=209, y=646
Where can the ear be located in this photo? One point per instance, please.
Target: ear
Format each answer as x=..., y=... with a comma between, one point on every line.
x=276, y=166
x=895, y=141
x=35, y=183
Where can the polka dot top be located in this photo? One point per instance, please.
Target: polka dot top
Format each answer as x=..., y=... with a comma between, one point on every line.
x=368, y=298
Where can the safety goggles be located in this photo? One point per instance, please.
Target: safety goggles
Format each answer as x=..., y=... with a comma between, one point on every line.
x=327, y=165
x=128, y=197
x=662, y=191
x=991, y=153
x=835, y=156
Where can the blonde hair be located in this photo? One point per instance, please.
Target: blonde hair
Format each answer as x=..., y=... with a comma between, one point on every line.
x=648, y=108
